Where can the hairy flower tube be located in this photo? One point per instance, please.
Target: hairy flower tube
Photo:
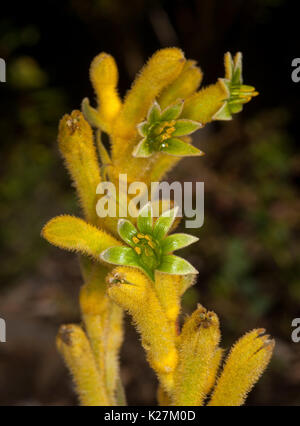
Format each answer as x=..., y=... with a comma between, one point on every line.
x=238, y=93
x=150, y=249
x=161, y=130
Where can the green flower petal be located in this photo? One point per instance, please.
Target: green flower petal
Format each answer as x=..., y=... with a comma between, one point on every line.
x=148, y=272
x=176, y=265
x=179, y=148
x=143, y=149
x=236, y=108
x=126, y=231
x=145, y=219
x=176, y=242
x=125, y=256
x=164, y=223
x=185, y=127
x=237, y=77
x=154, y=113
x=224, y=113
x=143, y=128
x=229, y=66
x=172, y=112
x=90, y=114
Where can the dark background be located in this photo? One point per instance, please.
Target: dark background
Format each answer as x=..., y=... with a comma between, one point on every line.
x=248, y=253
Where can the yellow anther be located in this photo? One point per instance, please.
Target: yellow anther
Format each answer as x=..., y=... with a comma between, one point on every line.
x=170, y=130
x=140, y=235
x=135, y=240
x=170, y=123
x=151, y=244
x=147, y=237
x=137, y=250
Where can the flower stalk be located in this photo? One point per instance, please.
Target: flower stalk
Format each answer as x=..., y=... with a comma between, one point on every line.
x=128, y=264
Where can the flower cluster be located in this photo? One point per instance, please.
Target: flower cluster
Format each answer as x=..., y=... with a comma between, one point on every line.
x=164, y=105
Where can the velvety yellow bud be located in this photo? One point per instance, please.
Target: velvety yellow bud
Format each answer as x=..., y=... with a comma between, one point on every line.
x=104, y=77
x=244, y=365
x=184, y=86
x=76, y=145
x=203, y=105
x=197, y=348
x=75, y=348
x=74, y=234
x=162, y=68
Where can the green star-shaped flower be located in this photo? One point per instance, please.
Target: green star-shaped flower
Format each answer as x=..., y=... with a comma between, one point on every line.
x=149, y=247
x=161, y=131
x=238, y=93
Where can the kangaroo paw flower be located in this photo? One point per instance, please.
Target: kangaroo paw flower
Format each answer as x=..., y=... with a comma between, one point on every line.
x=161, y=130
x=149, y=248
x=238, y=93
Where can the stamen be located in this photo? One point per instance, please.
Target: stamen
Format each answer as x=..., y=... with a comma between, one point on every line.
x=138, y=250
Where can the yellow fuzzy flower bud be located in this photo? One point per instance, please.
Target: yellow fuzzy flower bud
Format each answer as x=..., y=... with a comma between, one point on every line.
x=197, y=348
x=76, y=144
x=244, y=365
x=75, y=348
x=104, y=77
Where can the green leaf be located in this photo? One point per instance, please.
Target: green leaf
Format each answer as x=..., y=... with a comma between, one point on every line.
x=176, y=242
x=185, y=127
x=125, y=256
x=172, y=112
x=176, y=265
x=143, y=149
x=179, y=148
x=154, y=113
x=164, y=223
x=145, y=219
x=126, y=231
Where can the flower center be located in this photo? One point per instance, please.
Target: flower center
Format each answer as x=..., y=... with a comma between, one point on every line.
x=241, y=93
x=160, y=133
x=148, y=250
